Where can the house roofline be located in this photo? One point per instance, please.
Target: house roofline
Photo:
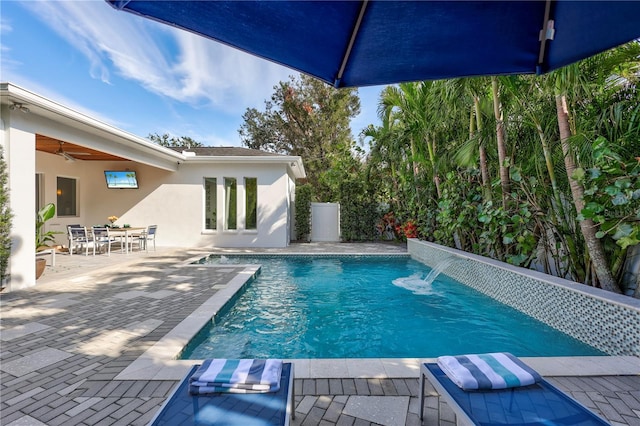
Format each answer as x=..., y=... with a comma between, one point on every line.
x=294, y=163
x=126, y=144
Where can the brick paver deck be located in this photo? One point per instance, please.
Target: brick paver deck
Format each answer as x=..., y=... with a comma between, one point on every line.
x=65, y=340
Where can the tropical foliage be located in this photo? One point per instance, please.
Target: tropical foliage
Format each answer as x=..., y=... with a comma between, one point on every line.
x=538, y=171
x=44, y=238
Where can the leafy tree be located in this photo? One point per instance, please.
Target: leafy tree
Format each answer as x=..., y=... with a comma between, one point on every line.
x=309, y=118
x=171, y=141
x=6, y=217
x=612, y=186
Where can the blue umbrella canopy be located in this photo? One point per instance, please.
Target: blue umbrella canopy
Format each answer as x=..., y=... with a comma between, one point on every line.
x=370, y=42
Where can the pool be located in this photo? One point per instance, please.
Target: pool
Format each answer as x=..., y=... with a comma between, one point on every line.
x=367, y=307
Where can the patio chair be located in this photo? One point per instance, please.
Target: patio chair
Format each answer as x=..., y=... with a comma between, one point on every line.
x=146, y=236
x=242, y=409
x=539, y=403
x=79, y=237
x=102, y=238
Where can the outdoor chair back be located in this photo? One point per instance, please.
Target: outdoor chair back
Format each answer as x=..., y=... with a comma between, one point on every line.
x=101, y=239
x=149, y=235
x=79, y=237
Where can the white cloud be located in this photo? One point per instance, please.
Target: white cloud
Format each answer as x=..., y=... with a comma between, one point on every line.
x=6, y=63
x=5, y=26
x=164, y=60
x=45, y=91
x=224, y=75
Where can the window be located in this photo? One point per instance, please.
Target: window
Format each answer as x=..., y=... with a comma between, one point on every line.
x=230, y=203
x=210, y=203
x=66, y=193
x=251, y=203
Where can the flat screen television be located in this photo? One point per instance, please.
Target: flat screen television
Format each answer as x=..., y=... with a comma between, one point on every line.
x=121, y=179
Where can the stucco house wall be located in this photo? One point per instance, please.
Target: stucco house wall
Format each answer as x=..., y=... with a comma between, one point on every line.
x=172, y=200
x=171, y=191
x=20, y=159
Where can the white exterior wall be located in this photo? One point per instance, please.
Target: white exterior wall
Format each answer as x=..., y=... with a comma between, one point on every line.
x=175, y=202
x=94, y=201
x=172, y=200
x=20, y=159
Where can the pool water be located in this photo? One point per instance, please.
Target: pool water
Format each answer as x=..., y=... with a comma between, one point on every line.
x=368, y=307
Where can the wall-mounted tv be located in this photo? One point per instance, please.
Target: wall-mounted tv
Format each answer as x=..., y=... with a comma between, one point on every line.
x=121, y=179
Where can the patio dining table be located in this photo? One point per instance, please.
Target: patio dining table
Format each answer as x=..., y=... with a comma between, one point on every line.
x=127, y=232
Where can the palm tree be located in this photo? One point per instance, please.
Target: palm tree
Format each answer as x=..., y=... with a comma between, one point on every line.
x=567, y=81
x=416, y=105
x=469, y=92
x=385, y=154
x=532, y=105
x=505, y=183
x=131, y=178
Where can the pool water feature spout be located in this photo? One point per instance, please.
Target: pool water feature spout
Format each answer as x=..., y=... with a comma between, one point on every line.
x=440, y=268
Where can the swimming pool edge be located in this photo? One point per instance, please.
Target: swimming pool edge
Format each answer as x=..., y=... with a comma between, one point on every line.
x=159, y=362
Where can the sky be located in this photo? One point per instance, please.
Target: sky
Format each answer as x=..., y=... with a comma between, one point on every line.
x=138, y=75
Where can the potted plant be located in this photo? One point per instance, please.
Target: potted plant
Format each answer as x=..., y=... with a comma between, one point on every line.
x=43, y=238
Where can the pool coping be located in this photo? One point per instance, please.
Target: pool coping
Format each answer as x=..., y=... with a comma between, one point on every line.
x=159, y=362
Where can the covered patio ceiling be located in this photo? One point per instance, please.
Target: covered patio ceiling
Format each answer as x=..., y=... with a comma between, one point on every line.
x=77, y=152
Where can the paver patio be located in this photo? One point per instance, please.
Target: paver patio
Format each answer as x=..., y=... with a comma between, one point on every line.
x=66, y=340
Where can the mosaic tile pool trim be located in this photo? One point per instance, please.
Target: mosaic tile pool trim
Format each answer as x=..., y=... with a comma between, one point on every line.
x=607, y=321
x=200, y=260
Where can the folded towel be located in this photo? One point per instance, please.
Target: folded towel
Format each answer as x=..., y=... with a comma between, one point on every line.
x=487, y=371
x=236, y=376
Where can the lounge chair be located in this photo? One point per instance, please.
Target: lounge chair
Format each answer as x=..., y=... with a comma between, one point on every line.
x=242, y=409
x=537, y=404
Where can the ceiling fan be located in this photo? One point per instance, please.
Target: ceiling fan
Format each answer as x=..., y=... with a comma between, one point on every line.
x=67, y=155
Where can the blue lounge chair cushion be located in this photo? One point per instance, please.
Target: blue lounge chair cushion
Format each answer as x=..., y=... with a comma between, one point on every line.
x=537, y=404
x=226, y=409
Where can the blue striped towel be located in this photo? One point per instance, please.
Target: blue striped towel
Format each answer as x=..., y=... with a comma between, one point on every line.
x=236, y=376
x=487, y=371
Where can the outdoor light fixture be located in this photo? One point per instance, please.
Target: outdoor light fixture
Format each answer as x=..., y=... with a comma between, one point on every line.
x=18, y=106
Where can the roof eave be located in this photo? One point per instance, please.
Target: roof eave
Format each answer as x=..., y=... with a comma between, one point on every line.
x=122, y=143
x=294, y=163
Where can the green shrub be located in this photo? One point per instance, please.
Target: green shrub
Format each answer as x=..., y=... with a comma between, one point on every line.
x=303, y=212
x=358, y=212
